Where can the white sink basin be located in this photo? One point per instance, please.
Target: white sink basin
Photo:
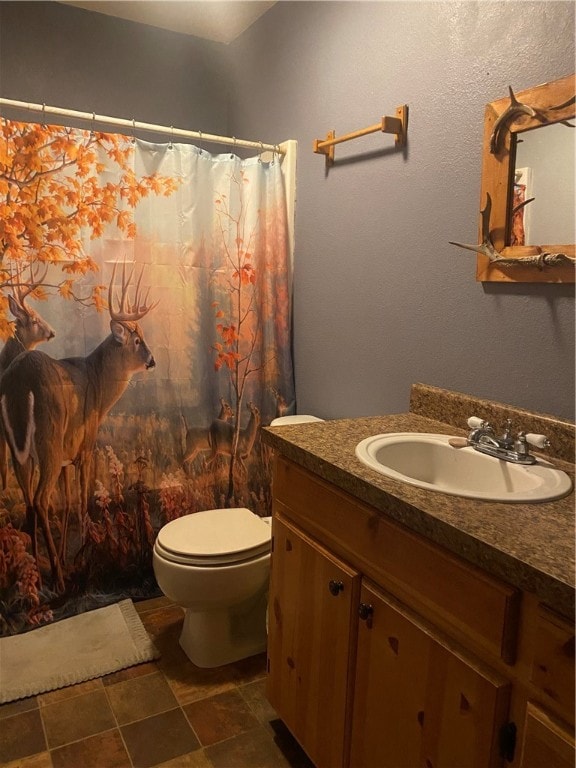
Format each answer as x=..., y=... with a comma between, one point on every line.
x=430, y=462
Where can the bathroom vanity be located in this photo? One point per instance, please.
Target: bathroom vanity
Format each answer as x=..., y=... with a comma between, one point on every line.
x=412, y=628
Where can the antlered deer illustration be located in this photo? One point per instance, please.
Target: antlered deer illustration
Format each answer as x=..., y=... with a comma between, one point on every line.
x=29, y=330
x=51, y=409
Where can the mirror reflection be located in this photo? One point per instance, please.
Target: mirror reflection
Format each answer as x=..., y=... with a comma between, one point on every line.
x=544, y=189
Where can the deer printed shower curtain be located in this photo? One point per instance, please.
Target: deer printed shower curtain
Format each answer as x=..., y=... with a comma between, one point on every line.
x=145, y=319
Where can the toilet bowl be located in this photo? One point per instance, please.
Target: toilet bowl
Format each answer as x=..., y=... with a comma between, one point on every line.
x=216, y=565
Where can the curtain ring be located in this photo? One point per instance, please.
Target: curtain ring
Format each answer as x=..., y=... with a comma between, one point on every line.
x=44, y=115
x=171, y=145
x=200, y=139
x=234, y=142
x=261, y=151
x=93, y=123
x=133, y=131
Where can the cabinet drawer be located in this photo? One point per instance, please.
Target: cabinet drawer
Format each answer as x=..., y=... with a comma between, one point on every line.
x=443, y=587
x=553, y=662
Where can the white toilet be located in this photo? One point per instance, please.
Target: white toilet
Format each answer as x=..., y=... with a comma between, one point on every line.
x=216, y=565
x=296, y=419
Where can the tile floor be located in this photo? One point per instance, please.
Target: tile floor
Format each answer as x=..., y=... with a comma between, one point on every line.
x=165, y=713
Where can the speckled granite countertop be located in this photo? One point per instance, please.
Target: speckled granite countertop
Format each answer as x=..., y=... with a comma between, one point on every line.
x=530, y=546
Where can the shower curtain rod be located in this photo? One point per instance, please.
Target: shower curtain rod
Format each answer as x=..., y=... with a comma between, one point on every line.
x=134, y=125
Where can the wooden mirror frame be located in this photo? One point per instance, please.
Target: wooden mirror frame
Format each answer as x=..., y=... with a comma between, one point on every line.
x=497, y=176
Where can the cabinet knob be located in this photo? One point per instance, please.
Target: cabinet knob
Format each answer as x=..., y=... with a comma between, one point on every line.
x=365, y=612
x=335, y=587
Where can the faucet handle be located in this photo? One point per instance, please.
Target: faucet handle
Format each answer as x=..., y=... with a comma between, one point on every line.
x=508, y=428
x=474, y=422
x=538, y=441
x=507, y=439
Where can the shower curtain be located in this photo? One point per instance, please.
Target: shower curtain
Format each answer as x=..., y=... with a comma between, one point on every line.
x=184, y=252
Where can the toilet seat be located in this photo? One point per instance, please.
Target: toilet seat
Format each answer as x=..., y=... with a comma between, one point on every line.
x=214, y=537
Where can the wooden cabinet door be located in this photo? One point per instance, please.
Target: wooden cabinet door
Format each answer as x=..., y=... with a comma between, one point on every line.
x=390, y=690
x=311, y=639
x=467, y=706
x=547, y=742
x=418, y=701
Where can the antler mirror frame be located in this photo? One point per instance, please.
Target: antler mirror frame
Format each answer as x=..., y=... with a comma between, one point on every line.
x=505, y=120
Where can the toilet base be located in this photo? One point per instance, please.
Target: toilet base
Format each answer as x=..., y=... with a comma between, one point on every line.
x=217, y=637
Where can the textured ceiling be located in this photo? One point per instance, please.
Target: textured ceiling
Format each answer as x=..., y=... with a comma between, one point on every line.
x=219, y=20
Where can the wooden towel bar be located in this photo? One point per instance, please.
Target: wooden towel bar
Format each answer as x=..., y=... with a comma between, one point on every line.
x=397, y=125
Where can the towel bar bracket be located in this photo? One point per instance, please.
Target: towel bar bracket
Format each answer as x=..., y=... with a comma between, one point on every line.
x=326, y=147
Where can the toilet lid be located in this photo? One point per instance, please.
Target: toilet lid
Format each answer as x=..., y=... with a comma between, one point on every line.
x=296, y=419
x=214, y=536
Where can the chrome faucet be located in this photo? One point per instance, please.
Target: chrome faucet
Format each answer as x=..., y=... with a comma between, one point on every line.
x=507, y=447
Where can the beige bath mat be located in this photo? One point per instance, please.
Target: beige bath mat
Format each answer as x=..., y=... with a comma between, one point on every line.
x=70, y=651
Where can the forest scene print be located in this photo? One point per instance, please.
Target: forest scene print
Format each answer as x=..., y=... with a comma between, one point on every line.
x=145, y=324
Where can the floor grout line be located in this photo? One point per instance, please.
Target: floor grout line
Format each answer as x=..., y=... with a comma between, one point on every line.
x=118, y=728
x=77, y=741
x=42, y=706
x=44, y=731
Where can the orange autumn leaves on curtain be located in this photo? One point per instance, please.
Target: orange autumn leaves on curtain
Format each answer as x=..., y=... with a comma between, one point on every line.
x=50, y=190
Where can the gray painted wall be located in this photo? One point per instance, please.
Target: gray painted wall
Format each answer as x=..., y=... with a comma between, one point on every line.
x=381, y=300
x=72, y=58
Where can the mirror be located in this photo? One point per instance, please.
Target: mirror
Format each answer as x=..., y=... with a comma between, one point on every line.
x=528, y=155
x=544, y=172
